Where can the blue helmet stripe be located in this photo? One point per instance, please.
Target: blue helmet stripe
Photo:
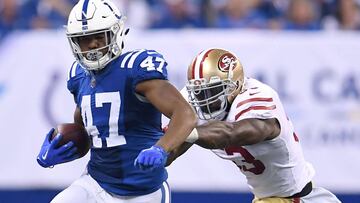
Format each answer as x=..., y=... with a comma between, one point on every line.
x=112, y=10
x=84, y=12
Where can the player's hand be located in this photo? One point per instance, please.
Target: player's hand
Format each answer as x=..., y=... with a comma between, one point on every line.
x=151, y=158
x=51, y=155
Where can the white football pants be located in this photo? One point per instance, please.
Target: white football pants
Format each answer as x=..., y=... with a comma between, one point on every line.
x=317, y=195
x=86, y=189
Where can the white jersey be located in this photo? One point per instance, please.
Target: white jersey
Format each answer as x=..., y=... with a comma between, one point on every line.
x=273, y=168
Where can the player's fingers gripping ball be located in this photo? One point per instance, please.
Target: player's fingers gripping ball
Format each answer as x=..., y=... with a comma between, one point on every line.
x=72, y=132
x=50, y=154
x=66, y=143
x=151, y=158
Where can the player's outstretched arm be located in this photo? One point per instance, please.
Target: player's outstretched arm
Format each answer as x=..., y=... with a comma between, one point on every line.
x=166, y=98
x=221, y=134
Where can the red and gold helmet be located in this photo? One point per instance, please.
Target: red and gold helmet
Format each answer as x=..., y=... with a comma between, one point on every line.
x=215, y=76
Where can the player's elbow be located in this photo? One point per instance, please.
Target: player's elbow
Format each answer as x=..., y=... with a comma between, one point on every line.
x=253, y=139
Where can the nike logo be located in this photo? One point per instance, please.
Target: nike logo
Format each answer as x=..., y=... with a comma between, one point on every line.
x=251, y=94
x=45, y=155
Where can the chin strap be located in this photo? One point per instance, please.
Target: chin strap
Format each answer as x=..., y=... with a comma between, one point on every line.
x=94, y=55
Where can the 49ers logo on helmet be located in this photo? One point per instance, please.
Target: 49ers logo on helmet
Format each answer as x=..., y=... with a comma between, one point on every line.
x=226, y=62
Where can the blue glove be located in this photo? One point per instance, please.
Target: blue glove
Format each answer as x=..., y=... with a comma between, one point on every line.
x=151, y=158
x=50, y=155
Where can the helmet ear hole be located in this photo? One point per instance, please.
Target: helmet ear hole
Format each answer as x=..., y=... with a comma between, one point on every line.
x=237, y=85
x=231, y=89
x=127, y=31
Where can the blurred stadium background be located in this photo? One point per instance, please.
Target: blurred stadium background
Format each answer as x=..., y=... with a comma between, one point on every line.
x=308, y=50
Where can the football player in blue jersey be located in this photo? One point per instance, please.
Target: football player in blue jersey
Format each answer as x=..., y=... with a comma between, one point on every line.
x=119, y=99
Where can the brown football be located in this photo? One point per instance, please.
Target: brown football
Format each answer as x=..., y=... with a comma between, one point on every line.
x=76, y=133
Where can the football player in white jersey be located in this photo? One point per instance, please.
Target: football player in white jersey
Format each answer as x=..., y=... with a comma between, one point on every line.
x=243, y=121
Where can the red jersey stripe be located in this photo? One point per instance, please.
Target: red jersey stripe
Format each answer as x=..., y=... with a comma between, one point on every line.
x=255, y=108
x=253, y=100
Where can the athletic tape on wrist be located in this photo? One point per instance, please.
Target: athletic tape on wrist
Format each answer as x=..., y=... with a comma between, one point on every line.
x=193, y=136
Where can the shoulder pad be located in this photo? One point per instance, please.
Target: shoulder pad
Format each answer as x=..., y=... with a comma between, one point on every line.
x=74, y=70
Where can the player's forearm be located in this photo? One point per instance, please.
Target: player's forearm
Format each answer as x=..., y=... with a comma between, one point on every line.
x=77, y=117
x=220, y=134
x=178, y=152
x=214, y=135
x=181, y=124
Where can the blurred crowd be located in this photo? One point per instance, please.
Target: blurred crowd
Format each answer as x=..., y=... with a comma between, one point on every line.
x=308, y=15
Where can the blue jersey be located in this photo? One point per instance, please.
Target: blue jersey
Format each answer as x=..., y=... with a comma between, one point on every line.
x=120, y=121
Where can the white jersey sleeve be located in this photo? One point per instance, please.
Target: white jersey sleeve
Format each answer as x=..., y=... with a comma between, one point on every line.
x=274, y=167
